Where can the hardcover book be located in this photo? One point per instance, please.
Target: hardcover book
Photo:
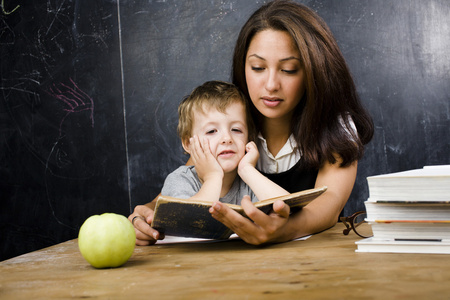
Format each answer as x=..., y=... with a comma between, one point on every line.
x=419, y=230
x=406, y=246
x=409, y=212
x=432, y=183
x=191, y=218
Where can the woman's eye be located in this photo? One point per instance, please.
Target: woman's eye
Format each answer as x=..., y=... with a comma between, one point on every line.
x=257, y=69
x=290, y=71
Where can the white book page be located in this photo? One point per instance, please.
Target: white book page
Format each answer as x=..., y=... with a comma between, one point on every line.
x=181, y=240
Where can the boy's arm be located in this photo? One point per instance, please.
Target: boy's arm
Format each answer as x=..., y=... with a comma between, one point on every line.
x=262, y=187
x=142, y=216
x=212, y=173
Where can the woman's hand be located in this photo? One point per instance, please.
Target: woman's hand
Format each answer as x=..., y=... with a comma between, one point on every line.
x=141, y=219
x=279, y=226
x=264, y=228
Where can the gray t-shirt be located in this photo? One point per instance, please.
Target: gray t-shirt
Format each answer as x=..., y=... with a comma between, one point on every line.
x=184, y=183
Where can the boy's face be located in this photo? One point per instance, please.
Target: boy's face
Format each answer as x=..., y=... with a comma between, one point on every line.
x=227, y=133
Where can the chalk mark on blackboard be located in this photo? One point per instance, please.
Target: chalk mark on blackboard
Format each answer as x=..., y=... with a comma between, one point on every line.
x=56, y=12
x=47, y=189
x=8, y=12
x=7, y=35
x=75, y=100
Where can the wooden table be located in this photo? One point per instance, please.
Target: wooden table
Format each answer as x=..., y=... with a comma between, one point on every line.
x=323, y=266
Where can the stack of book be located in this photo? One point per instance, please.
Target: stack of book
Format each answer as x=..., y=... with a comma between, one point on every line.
x=409, y=212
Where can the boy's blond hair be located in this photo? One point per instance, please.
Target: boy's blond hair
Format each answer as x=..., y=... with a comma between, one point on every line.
x=212, y=94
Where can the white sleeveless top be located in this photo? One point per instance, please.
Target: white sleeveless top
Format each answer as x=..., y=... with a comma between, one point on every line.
x=288, y=156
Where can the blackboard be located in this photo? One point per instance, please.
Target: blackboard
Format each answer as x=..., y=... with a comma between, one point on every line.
x=63, y=151
x=89, y=94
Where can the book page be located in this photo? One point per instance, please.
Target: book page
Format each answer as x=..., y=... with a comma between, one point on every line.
x=183, y=240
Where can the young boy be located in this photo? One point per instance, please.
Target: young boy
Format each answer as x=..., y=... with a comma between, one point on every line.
x=214, y=127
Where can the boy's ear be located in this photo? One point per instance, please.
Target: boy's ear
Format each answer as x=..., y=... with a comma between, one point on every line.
x=185, y=143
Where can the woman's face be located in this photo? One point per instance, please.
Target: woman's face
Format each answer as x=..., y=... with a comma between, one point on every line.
x=274, y=74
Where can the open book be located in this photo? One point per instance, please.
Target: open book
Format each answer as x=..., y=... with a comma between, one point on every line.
x=191, y=218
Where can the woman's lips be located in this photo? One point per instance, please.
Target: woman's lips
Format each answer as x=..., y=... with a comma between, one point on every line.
x=271, y=101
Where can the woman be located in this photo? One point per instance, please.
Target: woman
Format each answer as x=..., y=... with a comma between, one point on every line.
x=312, y=125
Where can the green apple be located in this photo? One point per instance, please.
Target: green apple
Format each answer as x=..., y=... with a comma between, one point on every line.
x=107, y=240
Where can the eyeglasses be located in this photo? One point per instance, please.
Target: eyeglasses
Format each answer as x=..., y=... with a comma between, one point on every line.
x=354, y=222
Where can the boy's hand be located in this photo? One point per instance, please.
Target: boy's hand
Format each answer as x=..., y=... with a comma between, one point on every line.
x=206, y=165
x=250, y=158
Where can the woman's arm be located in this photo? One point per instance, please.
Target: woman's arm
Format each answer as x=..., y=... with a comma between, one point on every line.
x=145, y=234
x=278, y=226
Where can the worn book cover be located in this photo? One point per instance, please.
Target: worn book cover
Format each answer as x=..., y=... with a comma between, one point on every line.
x=191, y=218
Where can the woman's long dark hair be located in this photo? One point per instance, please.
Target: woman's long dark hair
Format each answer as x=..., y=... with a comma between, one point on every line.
x=330, y=97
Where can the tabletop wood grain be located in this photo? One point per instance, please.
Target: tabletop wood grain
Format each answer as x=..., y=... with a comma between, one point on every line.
x=323, y=266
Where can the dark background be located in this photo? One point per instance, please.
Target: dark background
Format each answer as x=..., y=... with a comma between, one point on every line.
x=89, y=93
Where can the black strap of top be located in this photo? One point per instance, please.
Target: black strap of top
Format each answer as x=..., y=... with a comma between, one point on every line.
x=297, y=178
